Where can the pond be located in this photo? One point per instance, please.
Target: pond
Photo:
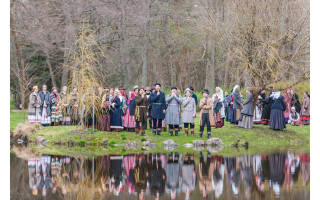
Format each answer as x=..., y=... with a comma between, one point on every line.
x=172, y=175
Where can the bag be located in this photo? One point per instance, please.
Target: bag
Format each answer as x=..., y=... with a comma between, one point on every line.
x=238, y=112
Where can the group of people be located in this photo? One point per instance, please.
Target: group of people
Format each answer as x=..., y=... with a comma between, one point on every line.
x=172, y=174
x=119, y=111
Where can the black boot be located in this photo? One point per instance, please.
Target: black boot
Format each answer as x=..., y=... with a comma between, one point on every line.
x=200, y=135
x=159, y=131
x=170, y=132
x=176, y=132
x=154, y=132
x=209, y=135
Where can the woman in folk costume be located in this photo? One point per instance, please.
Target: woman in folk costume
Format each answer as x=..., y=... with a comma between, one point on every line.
x=219, y=94
x=115, y=112
x=65, y=106
x=232, y=114
x=246, y=120
x=288, y=102
x=129, y=120
x=305, y=109
x=141, y=112
x=189, y=112
x=258, y=111
x=34, y=106
x=294, y=118
x=123, y=102
x=237, y=102
x=74, y=106
x=277, y=121
x=45, y=106
x=105, y=114
x=56, y=115
x=173, y=111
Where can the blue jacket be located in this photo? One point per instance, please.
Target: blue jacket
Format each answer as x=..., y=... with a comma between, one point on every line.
x=158, y=105
x=279, y=103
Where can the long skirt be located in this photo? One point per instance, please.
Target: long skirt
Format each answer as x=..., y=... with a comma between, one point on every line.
x=277, y=121
x=129, y=120
x=104, y=122
x=36, y=118
x=233, y=116
x=246, y=121
x=257, y=115
x=305, y=119
x=227, y=114
x=56, y=116
x=265, y=117
x=45, y=119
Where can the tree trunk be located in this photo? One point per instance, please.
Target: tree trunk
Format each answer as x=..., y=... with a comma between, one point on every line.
x=122, y=43
x=50, y=69
x=24, y=92
x=144, y=77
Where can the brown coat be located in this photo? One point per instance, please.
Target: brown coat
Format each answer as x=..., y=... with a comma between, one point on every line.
x=141, y=108
x=34, y=102
x=305, y=109
x=208, y=106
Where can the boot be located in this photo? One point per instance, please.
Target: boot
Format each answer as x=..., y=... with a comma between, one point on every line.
x=186, y=130
x=137, y=131
x=170, y=132
x=143, y=132
x=192, y=132
x=159, y=131
x=200, y=135
x=154, y=132
x=176, y=132
x=209, y=135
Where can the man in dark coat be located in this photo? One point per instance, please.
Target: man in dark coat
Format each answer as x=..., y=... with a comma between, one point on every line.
x=45, y=100
x=194, y=95
x=157, y=98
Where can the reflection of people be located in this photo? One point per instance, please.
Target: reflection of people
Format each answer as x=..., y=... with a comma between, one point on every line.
x=233, y=174
x=245, y=163
x=141, y=174
x=34, y=175
x=188, y=175
x=218, y=176
x=172, y=169
x=277, y=162
x=205, y=174
x=158, y=177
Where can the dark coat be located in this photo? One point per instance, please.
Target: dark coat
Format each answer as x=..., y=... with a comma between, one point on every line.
x=132, y=107
x=115, y=113
x=158, y=105
x=279, y=103
x=141, y=108
x=45, y=99
x=248, y=104
x=296, y=102
x=195, y=98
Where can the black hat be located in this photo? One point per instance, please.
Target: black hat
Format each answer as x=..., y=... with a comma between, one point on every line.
x=121, y=87
x=206, y=91
x=191, y=88
x=173, y=87
x=157, y=84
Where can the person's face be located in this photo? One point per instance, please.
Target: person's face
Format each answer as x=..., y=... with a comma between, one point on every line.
x=107, y=90
x=205, y=94
x=293, y=110
x=188, y=93
x=157, y=87
x=141, y=91
x=247, y=91
x=178, y=92
x=174, y=91
x=111, y=92
x=64, y=89
x=226, y=93
x=44, y=88
x=217, y=90
x=36, y=90
x=305, y=94
x=291, y=92
x=136, y=90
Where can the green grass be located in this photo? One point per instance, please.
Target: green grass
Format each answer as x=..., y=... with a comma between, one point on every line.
x=16, y=117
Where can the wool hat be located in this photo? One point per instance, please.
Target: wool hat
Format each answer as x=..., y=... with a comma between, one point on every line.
x=188, y=89
x=173, y=87
x=206, y=91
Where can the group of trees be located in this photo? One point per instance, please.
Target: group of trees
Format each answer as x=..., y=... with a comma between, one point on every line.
x=203, y=43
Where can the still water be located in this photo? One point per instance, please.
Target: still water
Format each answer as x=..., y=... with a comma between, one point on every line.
x=198, y=175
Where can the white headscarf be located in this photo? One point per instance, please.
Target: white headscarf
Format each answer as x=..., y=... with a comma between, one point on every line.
x=221, y=98
x=235, y=88
x=275, y=95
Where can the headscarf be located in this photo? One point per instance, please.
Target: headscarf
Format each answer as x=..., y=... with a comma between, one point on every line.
x=235, y=88
x=220, y=94
x=124, y=94
x=275, y=95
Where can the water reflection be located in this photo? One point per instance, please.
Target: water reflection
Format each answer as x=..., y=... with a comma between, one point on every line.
x=163, y=176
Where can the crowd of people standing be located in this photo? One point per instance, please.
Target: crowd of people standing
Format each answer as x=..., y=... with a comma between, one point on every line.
x=142, y=106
